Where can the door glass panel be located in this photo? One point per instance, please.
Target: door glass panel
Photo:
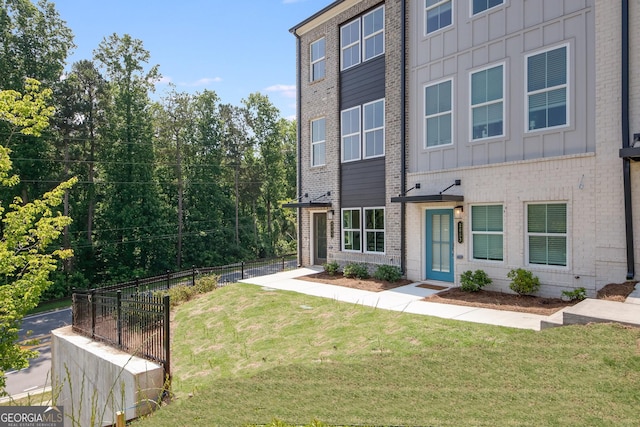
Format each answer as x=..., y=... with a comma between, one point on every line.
x=441, y=245
x=320, y=237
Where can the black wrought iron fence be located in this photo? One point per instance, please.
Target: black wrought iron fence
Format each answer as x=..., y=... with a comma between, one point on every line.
x=135, y=323
x=134, y=317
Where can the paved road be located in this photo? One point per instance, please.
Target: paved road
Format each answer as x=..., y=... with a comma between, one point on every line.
x=38, y=374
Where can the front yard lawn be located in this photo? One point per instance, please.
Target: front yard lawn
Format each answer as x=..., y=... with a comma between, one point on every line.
x=244, y=355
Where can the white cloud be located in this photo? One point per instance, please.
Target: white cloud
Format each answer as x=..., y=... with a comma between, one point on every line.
x=202, y=82
x=288, y=91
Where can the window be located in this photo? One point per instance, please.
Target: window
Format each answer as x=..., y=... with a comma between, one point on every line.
x=374, y=229
x=437, y=14
x=350, y=131
x=374, y=129
x=487, y=232
x=351, y=230
x=317, y=60
x=373, y=33
x=547, y=233
x=350, y=44
x=438, y=114
x=547, y=89
x=371, y=29
x=482, y=5
x=487, y=108
x=318, y=146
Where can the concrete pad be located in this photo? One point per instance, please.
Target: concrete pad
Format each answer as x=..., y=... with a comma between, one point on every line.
x=634, y=296
x=511, y=319
x=602, y=311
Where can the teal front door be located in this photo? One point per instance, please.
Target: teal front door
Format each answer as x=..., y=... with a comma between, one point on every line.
x=440, y=245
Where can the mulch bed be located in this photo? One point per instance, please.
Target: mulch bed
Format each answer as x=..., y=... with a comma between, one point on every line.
x=373, y=285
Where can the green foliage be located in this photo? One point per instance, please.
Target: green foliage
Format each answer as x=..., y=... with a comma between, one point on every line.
x=474, y=281
x=523, y=282
x=28, y=230
x=331, y=268
x=390, y=273
x=577, y=294
x=182, y=293
x=359, y=271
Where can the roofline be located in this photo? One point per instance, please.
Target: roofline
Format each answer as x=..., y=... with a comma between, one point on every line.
x=294, y=30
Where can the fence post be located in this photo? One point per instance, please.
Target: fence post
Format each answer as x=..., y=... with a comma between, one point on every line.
x=119, y=316
x=92, y=295
x=168, y=279
x=282, y=263
x=167, y=340
x=241, y=270
x=193, y=275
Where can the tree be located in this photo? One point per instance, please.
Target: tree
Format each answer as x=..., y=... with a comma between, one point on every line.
x=130, y=218
x=28, y=230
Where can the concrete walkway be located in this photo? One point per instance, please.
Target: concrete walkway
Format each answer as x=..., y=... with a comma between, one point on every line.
x=407, y=299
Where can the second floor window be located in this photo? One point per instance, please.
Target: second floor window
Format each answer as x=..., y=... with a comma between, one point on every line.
x=487, y=108
x=547, y=89
x=317, y=60
x=370, y=30
x=438, y=114
x=362, y=130
x=318, y=144
x=437, y=15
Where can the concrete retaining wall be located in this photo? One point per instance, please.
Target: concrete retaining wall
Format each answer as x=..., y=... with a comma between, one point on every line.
x=94, y=381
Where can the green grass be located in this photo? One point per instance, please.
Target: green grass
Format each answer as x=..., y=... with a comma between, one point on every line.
x=243, y=355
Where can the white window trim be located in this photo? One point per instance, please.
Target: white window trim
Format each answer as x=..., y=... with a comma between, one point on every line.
x=424, y=114
x=471, y=14
x=363, y=142
x=427, y=9
x=312, y=62
x=358, y=42
x=363, y=234
x=567, y=86
x=365, y=38
x=566, y=235
x=314, y=143
x=359, y=133
x=504, y=103
x=501, y=233
x=343, y=229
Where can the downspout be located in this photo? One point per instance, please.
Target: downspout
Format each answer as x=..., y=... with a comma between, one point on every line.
x=626, y=162
x=403, y=135
x=298, y=136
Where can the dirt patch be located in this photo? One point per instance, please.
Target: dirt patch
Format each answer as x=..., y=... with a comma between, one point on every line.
x=616, y=291
x=373, y=285
x=482, y=298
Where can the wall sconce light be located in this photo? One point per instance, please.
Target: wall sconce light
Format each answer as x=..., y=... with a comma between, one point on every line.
x=330, y=214
x=457, y=212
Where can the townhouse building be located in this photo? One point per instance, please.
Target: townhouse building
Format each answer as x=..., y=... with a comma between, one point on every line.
x=451, y=135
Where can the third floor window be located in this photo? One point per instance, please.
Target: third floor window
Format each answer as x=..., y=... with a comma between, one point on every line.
x=362, y=39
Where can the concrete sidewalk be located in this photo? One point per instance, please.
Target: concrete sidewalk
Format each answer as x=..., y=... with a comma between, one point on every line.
x=407, y=299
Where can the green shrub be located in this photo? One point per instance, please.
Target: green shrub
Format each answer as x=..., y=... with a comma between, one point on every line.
x=331, y=267
x=356, y=270
x=523, y=281
x=390, y=273
x=577, y=294
x=473, y=282
x=206, y=284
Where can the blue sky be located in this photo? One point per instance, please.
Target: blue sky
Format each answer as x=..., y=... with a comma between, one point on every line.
x=234, y=47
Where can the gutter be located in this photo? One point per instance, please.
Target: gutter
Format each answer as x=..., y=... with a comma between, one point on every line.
x=298, y=136
x=626, y=162
x=403, y=135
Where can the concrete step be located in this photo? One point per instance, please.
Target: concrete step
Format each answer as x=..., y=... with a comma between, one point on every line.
x=553, y=321
x=602, y=311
